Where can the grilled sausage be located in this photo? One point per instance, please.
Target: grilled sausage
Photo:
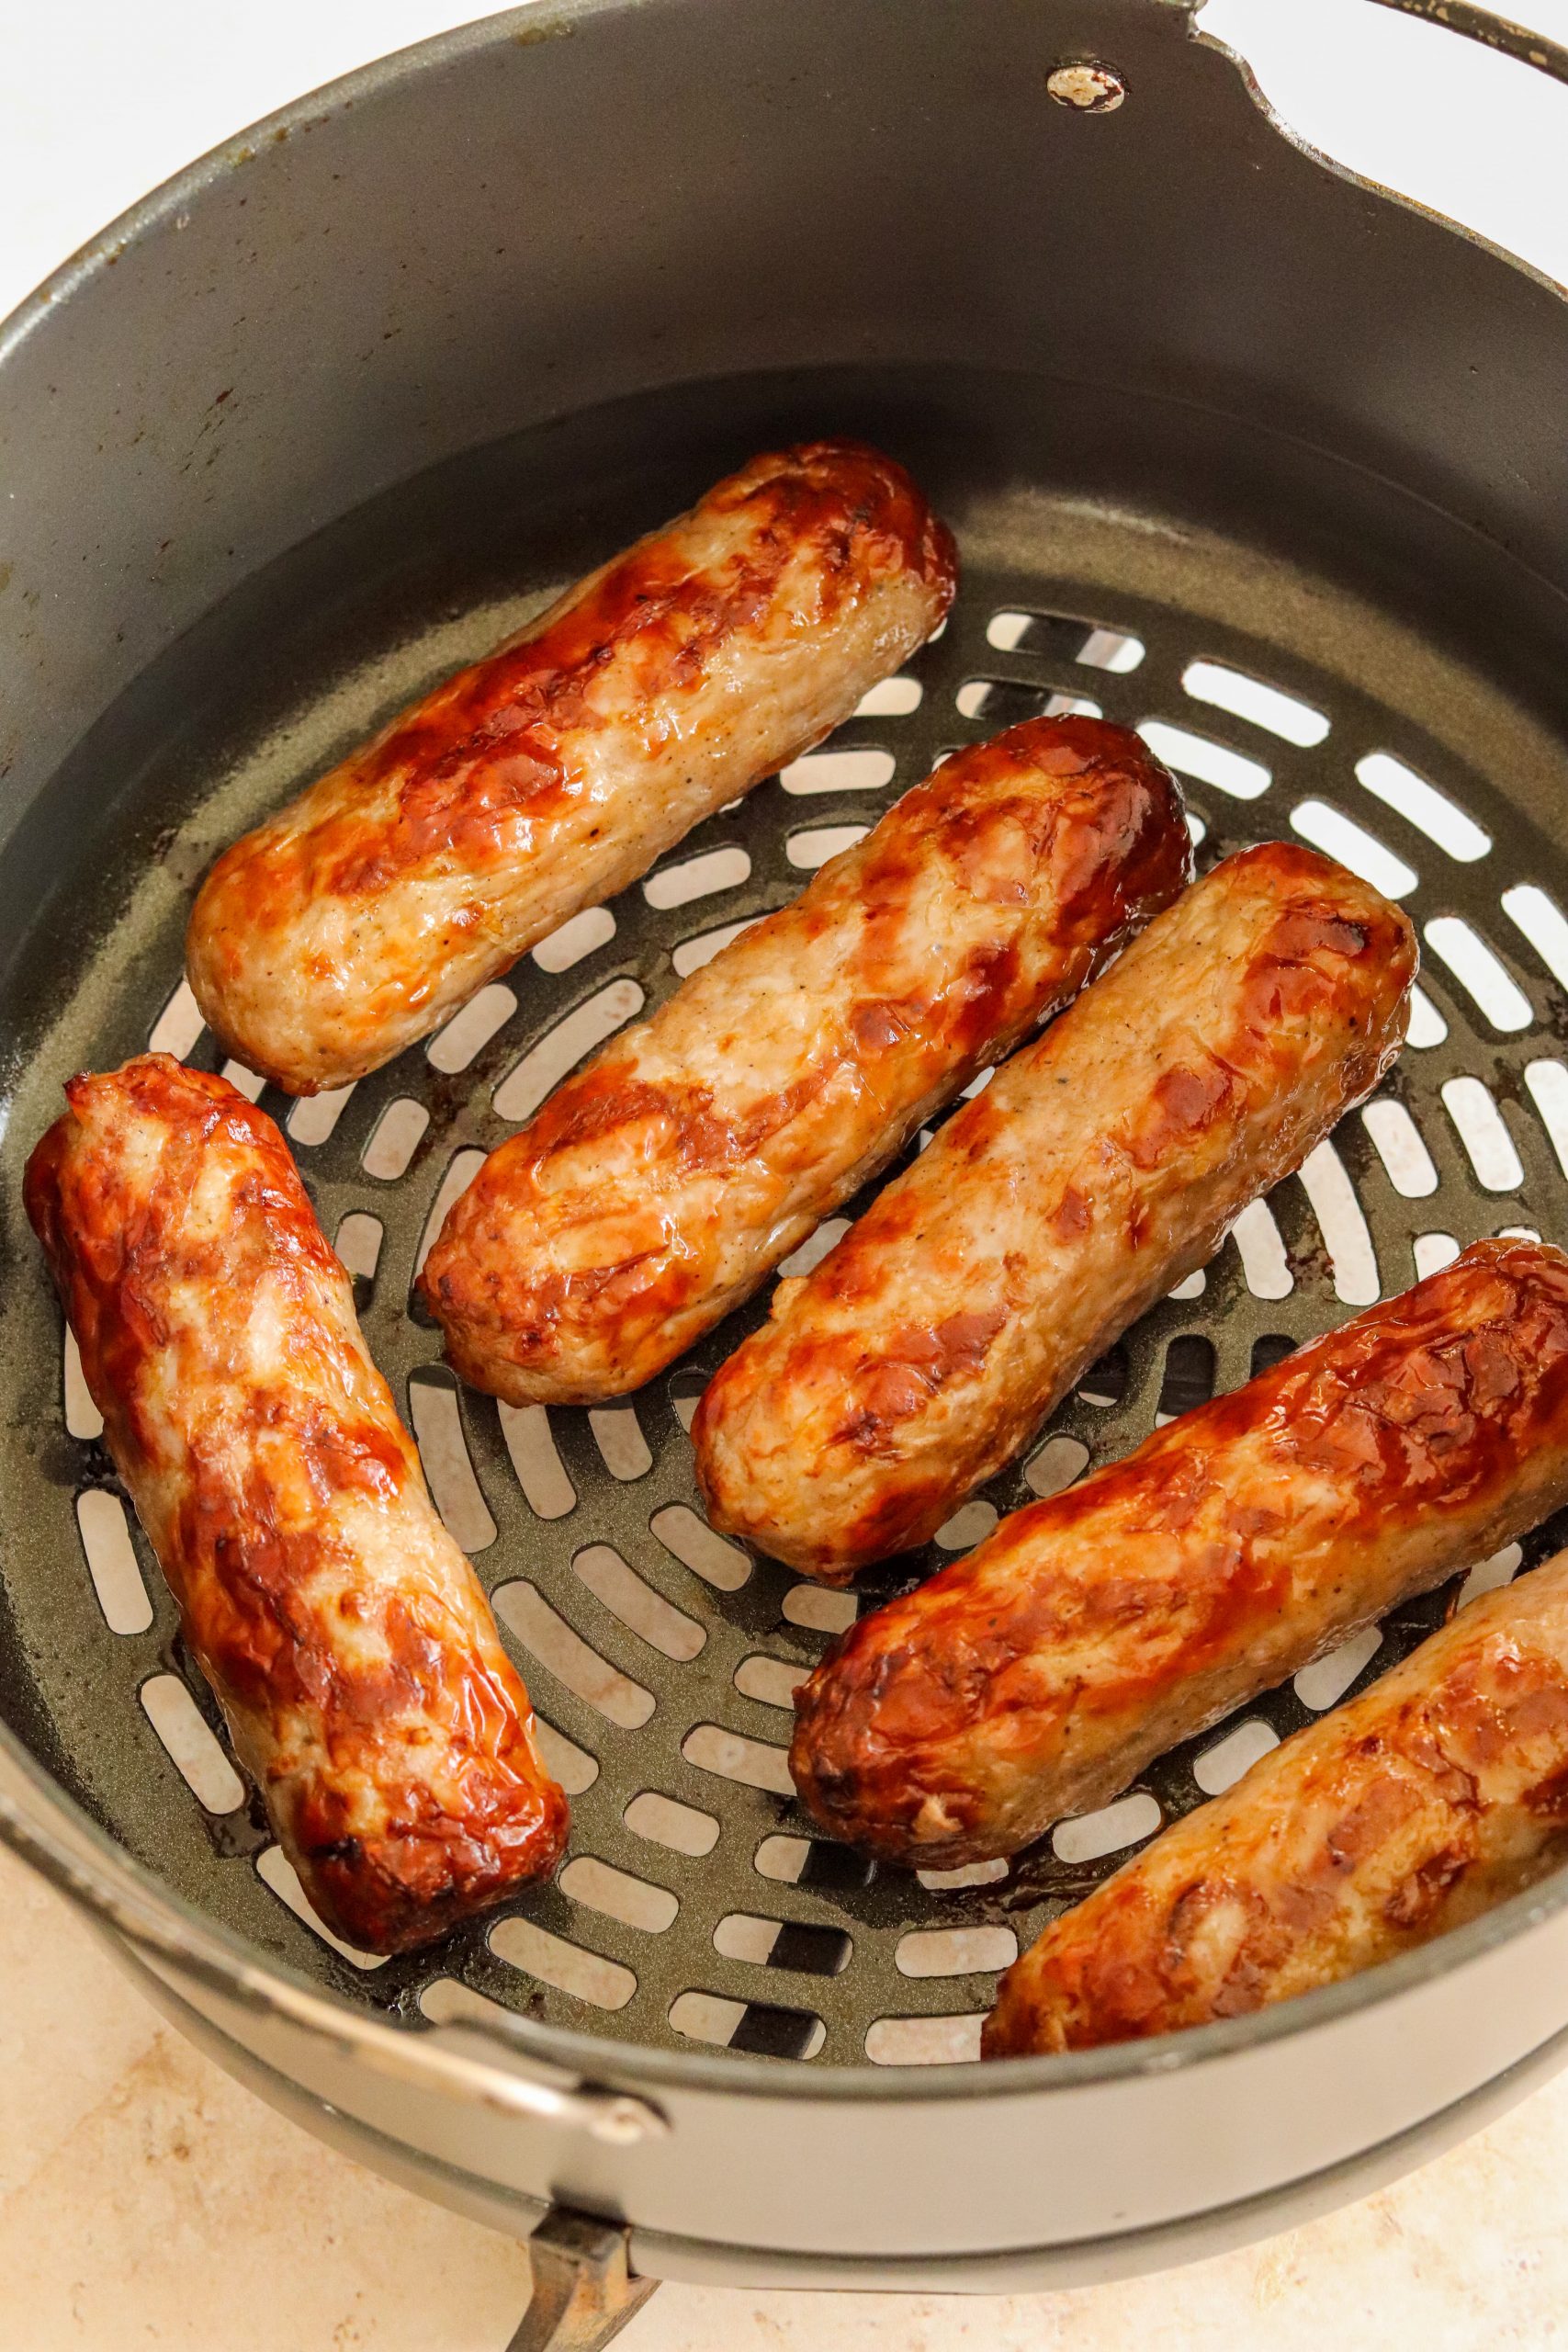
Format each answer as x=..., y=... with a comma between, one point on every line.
x=345, y=1637
x=552, y=773
x=1101, y=1166
x=1090, y=1633
x=661, y=1183
x=1434, y=1796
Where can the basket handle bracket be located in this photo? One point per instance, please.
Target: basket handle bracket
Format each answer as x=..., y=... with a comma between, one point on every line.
x=1500, y=33
x=584, y=2286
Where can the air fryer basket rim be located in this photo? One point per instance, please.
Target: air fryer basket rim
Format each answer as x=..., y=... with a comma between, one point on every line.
x=664, y=2255
x=540, y=20
x=88, y=1866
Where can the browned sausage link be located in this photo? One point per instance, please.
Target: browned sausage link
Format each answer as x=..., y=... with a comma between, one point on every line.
x=551, y=775
x=660, y=1185
x=1101, y=1166
x=1090, y=1634
x=343, y=1634
x=1434, y=1796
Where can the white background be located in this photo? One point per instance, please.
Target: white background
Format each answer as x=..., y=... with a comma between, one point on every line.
x=98, y=103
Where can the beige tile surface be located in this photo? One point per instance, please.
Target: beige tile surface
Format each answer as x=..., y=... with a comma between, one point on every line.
x=148, y=2201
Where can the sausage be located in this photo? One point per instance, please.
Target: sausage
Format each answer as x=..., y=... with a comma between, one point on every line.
x=1090, y=1633
x=1434, y=1796
x=1100, y=1168
x=343, y=1634
x=661, y=1185
x=553, y=772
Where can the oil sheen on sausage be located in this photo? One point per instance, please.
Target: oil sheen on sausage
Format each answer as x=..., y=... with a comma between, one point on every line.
x=342, y=1631
x=1099, y=1168
x=553, y=772
x=1434, y=1796
x=661, y=1183
x=1090, y=1633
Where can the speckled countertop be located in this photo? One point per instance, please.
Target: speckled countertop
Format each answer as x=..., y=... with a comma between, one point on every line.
x=147, y=2201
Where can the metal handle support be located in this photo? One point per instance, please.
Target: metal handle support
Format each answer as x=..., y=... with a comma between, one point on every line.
x=584, y=2290
x=1500, y=33
x=1492, y=32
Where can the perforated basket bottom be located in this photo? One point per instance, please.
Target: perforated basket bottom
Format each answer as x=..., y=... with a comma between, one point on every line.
x=695, y=1905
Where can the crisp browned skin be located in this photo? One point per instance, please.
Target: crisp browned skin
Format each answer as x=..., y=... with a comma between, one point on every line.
x=552, y=773
x=345, y=1637
x=1099, y=1168
x=1090, y=1634
x=661, y=1183
x=1437, y=1794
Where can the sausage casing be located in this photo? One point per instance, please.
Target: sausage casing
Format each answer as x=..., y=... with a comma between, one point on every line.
x=660, y=1184
x=1090, y=1633
x=343, y=1634
x=1434, y=1796
x=1101, y=1166
x=553, y=772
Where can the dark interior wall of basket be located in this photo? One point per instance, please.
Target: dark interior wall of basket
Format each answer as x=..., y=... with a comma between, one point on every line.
x=601, y=199
x=1200, y=414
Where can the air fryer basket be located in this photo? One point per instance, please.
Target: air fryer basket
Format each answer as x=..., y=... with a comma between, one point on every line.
x=1209, y=417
